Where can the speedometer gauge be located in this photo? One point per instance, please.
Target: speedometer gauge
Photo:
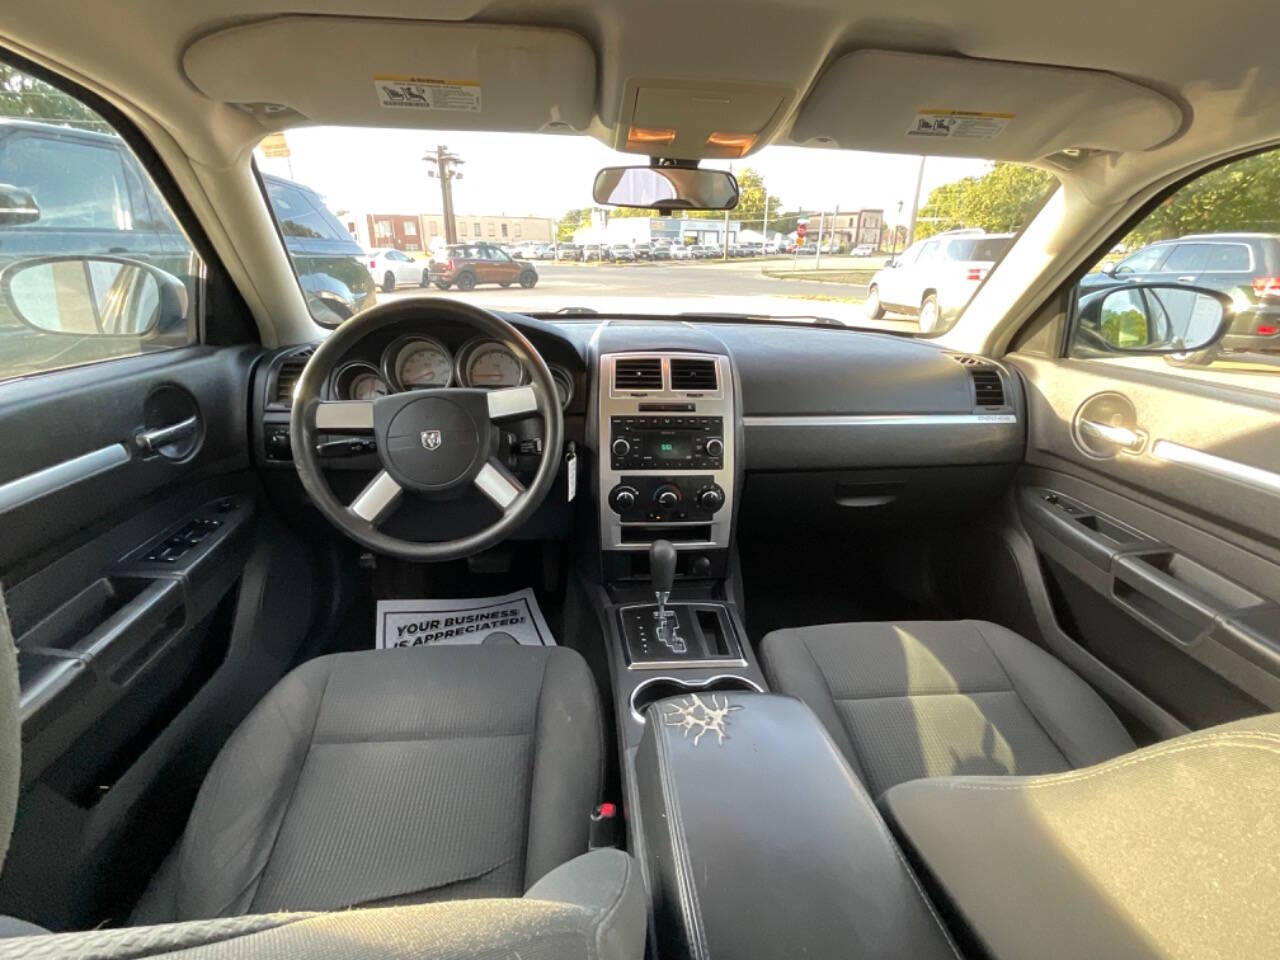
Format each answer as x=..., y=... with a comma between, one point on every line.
x=418, y=363
x=490, y=364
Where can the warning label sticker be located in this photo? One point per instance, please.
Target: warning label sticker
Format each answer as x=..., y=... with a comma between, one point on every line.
x=959, y=124
x=428, y=93
x=514, y=618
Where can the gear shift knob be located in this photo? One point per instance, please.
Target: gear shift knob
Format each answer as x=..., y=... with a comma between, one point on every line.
x=662, y=568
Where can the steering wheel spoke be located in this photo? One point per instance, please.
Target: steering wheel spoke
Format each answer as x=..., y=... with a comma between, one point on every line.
x=346, y=416
x=377, y=500
x=513, y=402
x=498, y=484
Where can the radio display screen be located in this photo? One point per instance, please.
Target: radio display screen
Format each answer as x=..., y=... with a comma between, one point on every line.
x=668, y=444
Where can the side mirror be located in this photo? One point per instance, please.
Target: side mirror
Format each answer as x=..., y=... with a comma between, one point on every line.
x=92, y=296
x=1155, y=318
x=17, y=206
x=1109, y=267
x=666, y=188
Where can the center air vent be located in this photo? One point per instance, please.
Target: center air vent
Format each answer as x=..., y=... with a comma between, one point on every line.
x=639, y=373
x=693, y=375
x=287, y=378
x=988, y=388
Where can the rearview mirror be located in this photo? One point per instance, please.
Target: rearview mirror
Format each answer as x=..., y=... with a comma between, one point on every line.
x=17, y=206
x=92, y=296
x=666, y=188
x=1155, y=318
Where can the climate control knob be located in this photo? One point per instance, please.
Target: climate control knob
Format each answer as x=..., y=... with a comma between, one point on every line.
x=621, y=447
x=710, y=499
x=622, y=498
x=715, y=447
x=667, y=495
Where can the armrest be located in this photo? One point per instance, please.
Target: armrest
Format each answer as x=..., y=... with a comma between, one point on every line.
x=761, y=843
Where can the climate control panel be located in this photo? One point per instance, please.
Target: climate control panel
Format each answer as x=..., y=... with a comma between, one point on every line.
x=650, y=498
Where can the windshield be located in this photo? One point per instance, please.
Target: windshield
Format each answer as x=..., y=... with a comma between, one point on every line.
x=820, y=236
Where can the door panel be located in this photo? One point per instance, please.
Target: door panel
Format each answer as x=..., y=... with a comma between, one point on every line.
x=1162, y=556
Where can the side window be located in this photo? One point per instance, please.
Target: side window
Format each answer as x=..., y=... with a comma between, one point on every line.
x=1144, y=261
x=1207, y=306
x=93, y=265
x=1187, y=258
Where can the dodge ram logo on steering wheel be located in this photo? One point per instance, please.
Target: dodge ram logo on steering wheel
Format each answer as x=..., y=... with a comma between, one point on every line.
x=431, y=439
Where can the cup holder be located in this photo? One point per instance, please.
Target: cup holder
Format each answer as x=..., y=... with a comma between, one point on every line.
x=659, y=688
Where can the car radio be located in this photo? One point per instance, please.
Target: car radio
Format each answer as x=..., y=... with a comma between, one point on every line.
x=666, y=443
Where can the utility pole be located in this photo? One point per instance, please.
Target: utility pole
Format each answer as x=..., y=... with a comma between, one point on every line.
x=817, y=254
x=724, y=252
x=764, y=230
x=445, y=170
x=915, y=204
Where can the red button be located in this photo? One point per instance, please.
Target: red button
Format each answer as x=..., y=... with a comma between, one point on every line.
x=608, y=810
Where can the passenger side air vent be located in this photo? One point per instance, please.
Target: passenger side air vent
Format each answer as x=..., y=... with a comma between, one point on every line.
x=287, y=378
x=987, y=386
x=639, y=373
x=693, y=375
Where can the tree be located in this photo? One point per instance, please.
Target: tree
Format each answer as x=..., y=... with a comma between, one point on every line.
x=751, y=201
x=999, y=201
x=24, y=97
x=571, y=222
x=1241, y=196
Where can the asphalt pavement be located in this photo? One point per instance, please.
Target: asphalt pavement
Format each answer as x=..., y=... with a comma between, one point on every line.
x=735, y=286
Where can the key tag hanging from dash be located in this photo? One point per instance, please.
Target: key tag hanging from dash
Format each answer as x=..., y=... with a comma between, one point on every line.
x=571, y=468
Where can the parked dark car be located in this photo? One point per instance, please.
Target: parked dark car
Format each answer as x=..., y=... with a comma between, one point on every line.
x=329, y=263
x=59, y=164
x=1244, y=265
x=469, y=264
x=54, y=180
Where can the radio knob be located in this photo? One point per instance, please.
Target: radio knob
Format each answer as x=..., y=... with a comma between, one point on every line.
x=715, y=447
x=621, y=448
x=667, y=495
x=623, y=498
x=710, y=499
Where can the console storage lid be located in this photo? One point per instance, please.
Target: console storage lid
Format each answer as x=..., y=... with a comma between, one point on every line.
x=761, y=843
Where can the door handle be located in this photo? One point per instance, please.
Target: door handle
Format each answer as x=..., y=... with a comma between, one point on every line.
x=150, y=441
x=1132, y=440
x=1186, y=279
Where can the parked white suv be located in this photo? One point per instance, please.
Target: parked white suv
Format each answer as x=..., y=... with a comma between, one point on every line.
x=934, y=278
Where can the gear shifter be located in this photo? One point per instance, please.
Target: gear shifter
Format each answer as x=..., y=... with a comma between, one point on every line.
x=662, y=569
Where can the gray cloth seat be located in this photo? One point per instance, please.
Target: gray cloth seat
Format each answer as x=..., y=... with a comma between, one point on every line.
x=936, y=698
x=1169, y=852
x=591, y=908
x=393, y=777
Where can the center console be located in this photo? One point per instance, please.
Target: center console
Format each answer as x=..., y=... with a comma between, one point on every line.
x=666, y=455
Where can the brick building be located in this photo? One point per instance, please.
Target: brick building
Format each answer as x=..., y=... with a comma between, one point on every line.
x=423, y=231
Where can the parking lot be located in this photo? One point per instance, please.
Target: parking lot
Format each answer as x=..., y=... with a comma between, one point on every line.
x=733, y=286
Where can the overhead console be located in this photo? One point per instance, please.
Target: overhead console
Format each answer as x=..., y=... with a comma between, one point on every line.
x=666, y=451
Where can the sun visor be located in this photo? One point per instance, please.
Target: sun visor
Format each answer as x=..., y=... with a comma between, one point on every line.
x=348, y=71
x=953, y=106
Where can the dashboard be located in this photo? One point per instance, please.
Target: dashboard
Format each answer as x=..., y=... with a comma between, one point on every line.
x=742, y=429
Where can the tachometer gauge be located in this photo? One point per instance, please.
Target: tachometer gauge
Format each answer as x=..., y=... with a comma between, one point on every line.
x=420, y=362
x=490, y=364
x=359, y=381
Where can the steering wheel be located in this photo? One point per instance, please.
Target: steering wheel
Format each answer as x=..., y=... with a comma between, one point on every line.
x=434, y=444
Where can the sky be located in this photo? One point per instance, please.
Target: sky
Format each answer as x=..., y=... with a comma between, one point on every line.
x=367, y=170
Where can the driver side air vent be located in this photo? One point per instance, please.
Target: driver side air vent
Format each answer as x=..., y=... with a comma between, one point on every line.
x=693, y=375
x=639, y=373
x=988, y=388
x=287, y=378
